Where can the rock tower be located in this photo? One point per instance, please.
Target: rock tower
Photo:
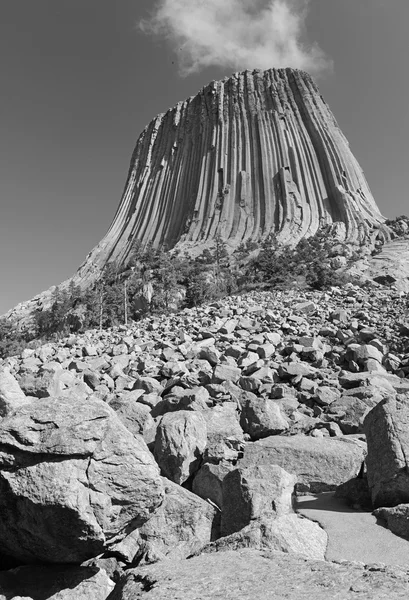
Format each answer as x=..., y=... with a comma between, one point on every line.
x=255, y=153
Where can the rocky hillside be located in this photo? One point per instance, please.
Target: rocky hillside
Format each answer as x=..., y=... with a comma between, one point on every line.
x=255, y=153
x=192, y=434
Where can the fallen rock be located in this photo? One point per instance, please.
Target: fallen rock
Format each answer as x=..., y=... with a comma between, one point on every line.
x=12, y=396
x=180, y=526
x=289, y=533
x=320, y=464
x=256, y=492
x=261, y=418
x=180, y=440
x=135, y=416
x=396, y=517
x=248, y=574
x=387, y=431
x=72, y=479
x=208, y=482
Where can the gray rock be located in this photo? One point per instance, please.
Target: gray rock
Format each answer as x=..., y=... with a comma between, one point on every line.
x=289, y=533
x=261, y=418
x=12, y=396
x=179, y=527
x=387, y=431
x=248, y=574
x=224, y=372
x=72, y=479
x=208, y=482
x=396, y=517
x=135, y=416
x=179, y=444
x=320, y=464
x=256, y=492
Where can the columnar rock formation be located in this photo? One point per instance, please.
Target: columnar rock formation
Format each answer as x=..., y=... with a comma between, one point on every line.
x=258, y=152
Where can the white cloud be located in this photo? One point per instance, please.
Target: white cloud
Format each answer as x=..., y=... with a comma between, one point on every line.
x=239, y=34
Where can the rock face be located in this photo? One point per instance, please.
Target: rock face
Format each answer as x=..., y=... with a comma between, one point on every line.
x=72, y=479
x=255, y=153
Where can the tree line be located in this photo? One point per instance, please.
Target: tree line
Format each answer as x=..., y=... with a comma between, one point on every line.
x=154, y=281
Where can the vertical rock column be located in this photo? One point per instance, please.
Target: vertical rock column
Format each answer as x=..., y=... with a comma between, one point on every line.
x=258, y=152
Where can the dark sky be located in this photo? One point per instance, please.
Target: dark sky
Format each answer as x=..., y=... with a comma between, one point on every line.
x=80, y=82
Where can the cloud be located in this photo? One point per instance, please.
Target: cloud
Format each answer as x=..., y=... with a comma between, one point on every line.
x=238, y=34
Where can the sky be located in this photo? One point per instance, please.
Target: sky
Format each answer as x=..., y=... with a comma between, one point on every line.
x=81, y=79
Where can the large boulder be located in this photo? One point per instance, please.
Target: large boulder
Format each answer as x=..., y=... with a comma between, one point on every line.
x=387, y=432
x=135, y=416
x=320, y=464
x=181, y=526
x=72, y=480
x=179, y=444
x=209, y=480
x=261, y=418
x=12, y=396
x=55, y=583
x=255, y=492
x=224, y=434
x=290, y=533
x=257, y=512
x=249, y=574
x=396, y=517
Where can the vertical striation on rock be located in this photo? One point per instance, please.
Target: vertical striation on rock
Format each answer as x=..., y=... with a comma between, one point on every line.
x=255, y=153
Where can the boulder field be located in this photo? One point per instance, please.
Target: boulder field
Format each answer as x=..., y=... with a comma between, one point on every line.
x=169, y=454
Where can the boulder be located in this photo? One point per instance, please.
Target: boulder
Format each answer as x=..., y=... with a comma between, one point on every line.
x=181, y=526
x=55, y=583
x=224, y=434
x=135, y=416
x=261, y=418
x=289, y=533
x=208, y=482
x=179, y=398
x=320, y=464
x=396, y=517
x=255, y=492
x=12, y=396
x=248, y=574
x=179, y=444
x=387, y=431
x=72, y=479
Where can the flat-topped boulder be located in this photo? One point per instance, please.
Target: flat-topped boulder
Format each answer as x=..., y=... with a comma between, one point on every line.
x=249, y=574
x=320, y=464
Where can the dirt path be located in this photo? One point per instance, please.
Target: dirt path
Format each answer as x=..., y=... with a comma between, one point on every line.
x=353, y=535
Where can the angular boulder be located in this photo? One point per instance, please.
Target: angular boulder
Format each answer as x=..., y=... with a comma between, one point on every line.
x=181, y=526
x=72, y=479
x=261, y=418
x=396, y=517
x=12, y=396
x=255, y=492
x=289, y=533
x=320, y=464
x=387, y=432
x=180, y=440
